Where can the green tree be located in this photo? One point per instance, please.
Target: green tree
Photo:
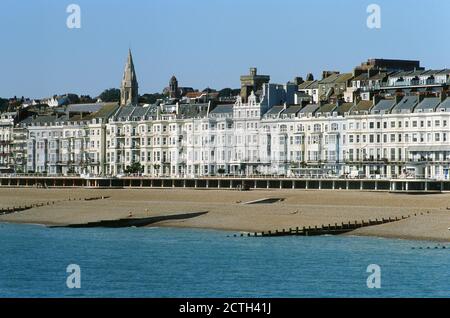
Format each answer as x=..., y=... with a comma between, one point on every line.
x=229, y=92
x=135, y=167
x=3, y=105
x=150, y=98
x=86, y=99
x=73, y=98
x=110, y=95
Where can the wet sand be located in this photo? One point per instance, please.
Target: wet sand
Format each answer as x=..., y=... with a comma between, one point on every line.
x=227, y=210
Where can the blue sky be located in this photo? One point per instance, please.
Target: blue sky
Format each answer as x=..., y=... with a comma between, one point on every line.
x=206, y=42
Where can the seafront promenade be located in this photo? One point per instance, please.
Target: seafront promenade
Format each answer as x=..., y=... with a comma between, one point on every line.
x=228, y=182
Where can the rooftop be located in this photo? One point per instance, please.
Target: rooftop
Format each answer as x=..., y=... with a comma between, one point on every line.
x=384, y=105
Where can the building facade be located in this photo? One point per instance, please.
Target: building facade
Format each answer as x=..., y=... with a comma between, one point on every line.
x=390, y=138
x=407, y=137
x=387, y=119
x=6, y=141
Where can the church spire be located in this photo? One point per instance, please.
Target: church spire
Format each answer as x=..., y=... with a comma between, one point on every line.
x=129, y=87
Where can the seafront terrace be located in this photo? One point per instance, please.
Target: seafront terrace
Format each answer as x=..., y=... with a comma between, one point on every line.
x=381, y=183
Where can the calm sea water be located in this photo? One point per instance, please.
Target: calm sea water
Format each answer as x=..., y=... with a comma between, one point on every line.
x=165, y=262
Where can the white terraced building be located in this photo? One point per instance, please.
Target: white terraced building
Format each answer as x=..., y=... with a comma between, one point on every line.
x=403, y=137
x=6, y=139
x=68, y=144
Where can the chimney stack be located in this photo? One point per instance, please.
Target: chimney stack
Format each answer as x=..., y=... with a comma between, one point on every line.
x=376, y=99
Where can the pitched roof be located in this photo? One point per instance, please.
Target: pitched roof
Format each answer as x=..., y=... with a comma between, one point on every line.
x=362, y=106
x=125, y=111
x=192, y=110
x=326, y=108
x=222, y=109
x=308, y=85
x=344, y=108
x=194, y=94
x=309, y=109
x=106, y=111
x=379, y=76
x=275, y=110
x=39, y=119
x=293, y=109
x=336, y=78
x=406, y=105
x=361, y=77
x=445, y=105
x=383, y=105
x=427, y=104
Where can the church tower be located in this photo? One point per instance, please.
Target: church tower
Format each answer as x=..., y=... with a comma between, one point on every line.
x=173, y=87
x=129, y=87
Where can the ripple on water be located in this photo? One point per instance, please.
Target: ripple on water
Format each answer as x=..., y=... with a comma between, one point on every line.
x=174, y=262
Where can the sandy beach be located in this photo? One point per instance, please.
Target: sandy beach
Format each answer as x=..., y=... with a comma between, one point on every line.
x=227, y=209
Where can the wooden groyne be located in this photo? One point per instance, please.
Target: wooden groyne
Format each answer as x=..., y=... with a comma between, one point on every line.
x=330, y=229
x=96, y=198
x=20, y=208
x=15, y=209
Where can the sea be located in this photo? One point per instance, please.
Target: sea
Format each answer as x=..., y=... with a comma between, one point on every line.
x=37, y=261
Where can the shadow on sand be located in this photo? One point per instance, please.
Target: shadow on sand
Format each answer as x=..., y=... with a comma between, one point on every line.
x=138, y=222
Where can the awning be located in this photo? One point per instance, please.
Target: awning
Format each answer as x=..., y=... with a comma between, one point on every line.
x=428, y=148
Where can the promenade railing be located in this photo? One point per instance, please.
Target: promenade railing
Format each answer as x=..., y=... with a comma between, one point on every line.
x=236, y=176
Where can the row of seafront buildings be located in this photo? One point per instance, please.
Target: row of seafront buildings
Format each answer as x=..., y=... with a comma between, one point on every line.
x=386, y=119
